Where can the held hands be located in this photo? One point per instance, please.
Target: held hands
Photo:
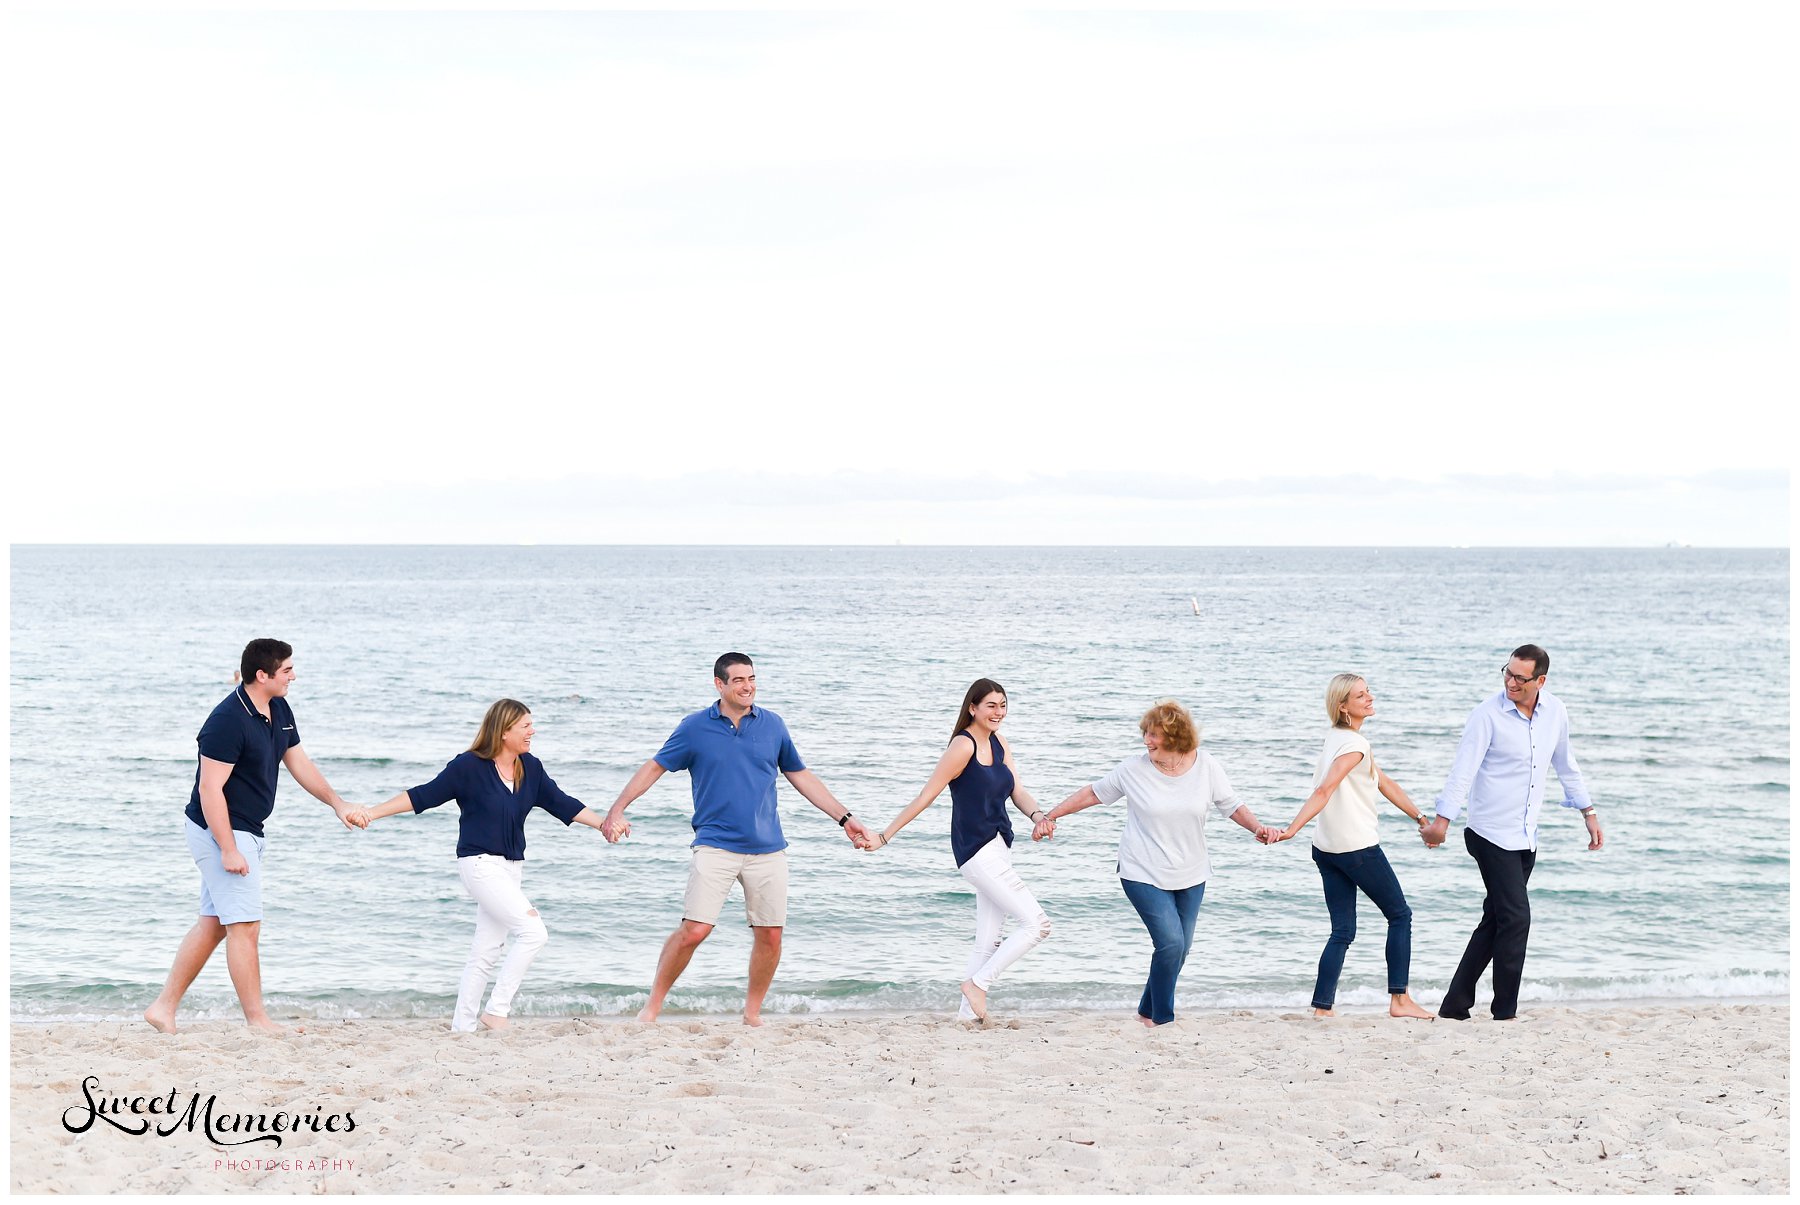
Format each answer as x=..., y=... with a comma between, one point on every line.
x=614, y=827
x=1268, y=834
x=1433, y=834
x=353, y=817
x=1044, y=829
x=859, y=836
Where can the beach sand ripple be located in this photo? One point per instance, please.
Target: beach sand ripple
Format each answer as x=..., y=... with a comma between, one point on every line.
x=1667, y=1099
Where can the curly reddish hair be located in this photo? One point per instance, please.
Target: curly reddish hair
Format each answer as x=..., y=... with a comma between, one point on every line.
x=1180, y=731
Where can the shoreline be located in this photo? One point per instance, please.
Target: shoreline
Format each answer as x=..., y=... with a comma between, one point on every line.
x=1569, y=1099
x=675, y=1014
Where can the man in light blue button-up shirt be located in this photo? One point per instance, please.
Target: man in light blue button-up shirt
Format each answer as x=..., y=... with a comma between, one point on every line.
x=1509, y=746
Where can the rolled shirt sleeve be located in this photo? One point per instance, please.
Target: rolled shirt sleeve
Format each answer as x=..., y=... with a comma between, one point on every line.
x=1224, y=799
x=559, y=803
x=1111, y=787
x=440, y=790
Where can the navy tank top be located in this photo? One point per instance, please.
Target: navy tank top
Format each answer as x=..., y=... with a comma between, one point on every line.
x=978, y=802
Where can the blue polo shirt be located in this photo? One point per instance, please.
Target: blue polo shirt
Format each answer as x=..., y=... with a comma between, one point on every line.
x=733, y=770
x=493, y=818
x=236, y=732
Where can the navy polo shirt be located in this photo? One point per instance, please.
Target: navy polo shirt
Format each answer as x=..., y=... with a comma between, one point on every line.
x=733, y=770
x=236, y=732
x=493, y=818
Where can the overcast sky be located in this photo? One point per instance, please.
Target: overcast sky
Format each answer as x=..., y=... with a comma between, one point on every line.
x=1106, y=278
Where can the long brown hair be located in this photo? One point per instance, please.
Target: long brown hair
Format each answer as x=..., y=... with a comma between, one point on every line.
x=978, y=690
x=502, y=715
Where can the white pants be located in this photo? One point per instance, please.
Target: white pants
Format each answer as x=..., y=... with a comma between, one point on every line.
x=502, y=911
x=999, y=892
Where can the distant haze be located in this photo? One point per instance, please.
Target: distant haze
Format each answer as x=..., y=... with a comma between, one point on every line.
x=1203, y=278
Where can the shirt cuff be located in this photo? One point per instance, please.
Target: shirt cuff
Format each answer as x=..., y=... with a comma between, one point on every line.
x=1446, y=809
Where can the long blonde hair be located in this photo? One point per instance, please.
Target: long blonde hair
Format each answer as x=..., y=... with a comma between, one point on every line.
x=1337, y=691
x=502, y=715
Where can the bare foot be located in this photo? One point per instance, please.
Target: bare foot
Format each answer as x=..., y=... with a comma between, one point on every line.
x=977, y=999
x=1329, y=1012
x=490, y=1021
x=1403, y=1005
x=753, y=1019
x=1146, y=1022
x=647, y=1014
x=268, y=1026
x=161, y=1020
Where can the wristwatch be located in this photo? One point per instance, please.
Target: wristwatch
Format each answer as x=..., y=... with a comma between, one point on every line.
x=1589, y=811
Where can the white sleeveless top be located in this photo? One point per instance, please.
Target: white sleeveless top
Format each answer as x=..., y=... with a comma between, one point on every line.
x=1349, y=819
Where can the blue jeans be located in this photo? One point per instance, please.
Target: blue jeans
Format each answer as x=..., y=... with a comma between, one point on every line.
x=1343, y=874
x=1170, y=917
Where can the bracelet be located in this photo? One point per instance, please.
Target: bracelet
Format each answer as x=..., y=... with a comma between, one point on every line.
x=1038, y=818
x=884, y=840
x=843, y=818
x=1589, y=811
x=1420, y=819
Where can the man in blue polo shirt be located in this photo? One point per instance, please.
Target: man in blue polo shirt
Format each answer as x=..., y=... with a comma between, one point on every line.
x=244, y=743
x=732, y=751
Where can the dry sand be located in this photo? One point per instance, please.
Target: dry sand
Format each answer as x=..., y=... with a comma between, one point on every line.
x=1665, y=1099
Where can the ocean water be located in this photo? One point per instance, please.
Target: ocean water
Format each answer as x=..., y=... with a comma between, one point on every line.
x=1674, y=665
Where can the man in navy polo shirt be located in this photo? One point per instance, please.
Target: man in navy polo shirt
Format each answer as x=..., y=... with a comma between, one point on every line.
x=243, y=745
x=732, y=751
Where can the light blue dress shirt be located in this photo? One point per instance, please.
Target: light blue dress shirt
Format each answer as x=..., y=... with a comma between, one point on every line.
x=1503, y=766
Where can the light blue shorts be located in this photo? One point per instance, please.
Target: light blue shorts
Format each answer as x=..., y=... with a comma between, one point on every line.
x=232, y=898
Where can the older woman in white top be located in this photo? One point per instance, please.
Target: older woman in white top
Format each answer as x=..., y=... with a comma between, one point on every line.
x=1347, y=848
x=1163, y=865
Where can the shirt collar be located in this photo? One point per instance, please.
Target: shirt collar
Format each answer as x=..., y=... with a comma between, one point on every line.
x=716, y=711
x=1543, y=700
x=243, y=696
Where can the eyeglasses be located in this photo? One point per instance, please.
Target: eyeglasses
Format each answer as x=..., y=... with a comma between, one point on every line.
x=1521, y=679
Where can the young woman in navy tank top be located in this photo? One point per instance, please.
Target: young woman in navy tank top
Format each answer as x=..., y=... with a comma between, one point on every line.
x=980, y=837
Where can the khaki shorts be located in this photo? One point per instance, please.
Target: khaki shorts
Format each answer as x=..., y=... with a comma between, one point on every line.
x=764, y=877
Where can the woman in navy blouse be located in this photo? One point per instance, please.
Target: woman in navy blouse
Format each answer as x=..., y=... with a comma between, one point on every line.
x=496, y=784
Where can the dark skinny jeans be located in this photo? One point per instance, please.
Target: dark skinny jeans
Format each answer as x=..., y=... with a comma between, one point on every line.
x=1343, y=875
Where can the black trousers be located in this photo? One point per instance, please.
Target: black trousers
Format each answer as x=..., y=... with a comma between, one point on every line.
x=1500, y=937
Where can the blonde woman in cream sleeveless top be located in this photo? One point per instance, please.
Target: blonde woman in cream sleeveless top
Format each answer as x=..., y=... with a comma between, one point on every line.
x=1346, y=799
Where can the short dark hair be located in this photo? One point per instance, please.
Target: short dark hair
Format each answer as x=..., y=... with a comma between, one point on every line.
x=1539, y=659
x=266, y=654
x=722, y=667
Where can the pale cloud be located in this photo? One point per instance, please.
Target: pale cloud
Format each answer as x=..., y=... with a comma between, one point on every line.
x=345, y=251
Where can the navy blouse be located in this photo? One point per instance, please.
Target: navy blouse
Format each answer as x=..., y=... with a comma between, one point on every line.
x=493, y=818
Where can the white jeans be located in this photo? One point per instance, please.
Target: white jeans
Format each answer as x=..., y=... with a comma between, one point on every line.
x=502, y=910
x=999, y=892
